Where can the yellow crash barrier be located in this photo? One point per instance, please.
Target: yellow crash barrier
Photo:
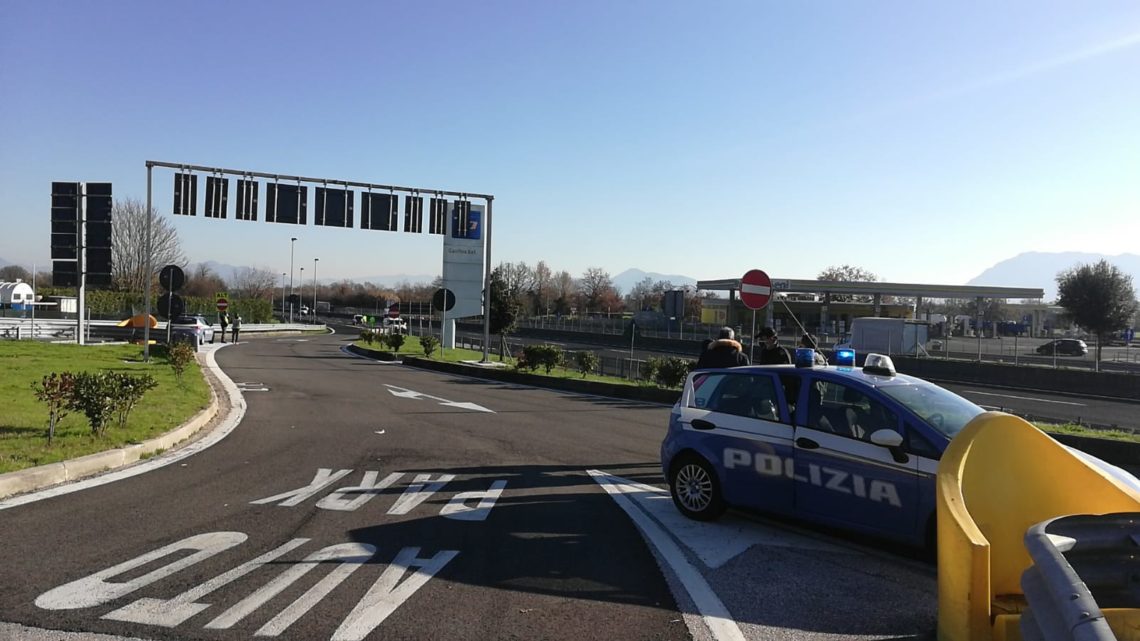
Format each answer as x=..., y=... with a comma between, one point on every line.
x=999, y=476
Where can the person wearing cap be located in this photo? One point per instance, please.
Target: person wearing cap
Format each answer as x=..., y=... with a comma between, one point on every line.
x=725, y=351
x=808, y=341
x=770, y=351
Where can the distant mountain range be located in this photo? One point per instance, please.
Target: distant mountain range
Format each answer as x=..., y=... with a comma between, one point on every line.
x=626, y=280
x=1040, y=269
x=227, y=273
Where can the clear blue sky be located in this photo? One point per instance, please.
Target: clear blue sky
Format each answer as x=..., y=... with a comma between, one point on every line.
x=922, y=141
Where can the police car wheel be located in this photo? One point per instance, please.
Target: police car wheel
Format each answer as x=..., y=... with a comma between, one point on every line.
x=695, y=489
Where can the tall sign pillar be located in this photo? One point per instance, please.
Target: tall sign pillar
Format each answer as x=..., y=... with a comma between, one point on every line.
x=463, y=264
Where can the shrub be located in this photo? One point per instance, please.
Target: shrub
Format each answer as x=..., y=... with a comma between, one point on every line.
x=672, y=370
x=179, y=356
x=520, y=360
x=430, y=344
x=55, y=390
x=395, y=340
x=546, y=356
x=367, y=336
x=650, y=368
x=586, y=361
x=131, y=389
x=94, y=394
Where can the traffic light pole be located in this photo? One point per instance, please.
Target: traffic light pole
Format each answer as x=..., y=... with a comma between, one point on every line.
x=81, y=265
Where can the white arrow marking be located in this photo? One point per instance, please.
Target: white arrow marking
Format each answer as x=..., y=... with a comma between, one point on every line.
x=407, y=393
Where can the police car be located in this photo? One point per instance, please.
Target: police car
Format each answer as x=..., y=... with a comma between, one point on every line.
x=854, y=448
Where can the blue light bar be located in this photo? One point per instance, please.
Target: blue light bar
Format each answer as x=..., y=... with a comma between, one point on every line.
x=845, y=357
x=805, y=357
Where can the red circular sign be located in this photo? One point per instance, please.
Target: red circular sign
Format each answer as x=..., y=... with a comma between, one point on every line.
x=394, y=311
x=755, y=289
x=223, y=304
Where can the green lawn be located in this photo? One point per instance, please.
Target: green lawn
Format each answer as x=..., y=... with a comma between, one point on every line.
x=24, y=420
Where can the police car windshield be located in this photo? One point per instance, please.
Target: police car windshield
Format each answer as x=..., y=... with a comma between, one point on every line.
x=941, y=409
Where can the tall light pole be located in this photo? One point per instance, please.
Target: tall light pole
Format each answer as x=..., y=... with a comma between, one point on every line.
x=315, y=289
x=301, y=287
x=292, y=242
x=282, y=295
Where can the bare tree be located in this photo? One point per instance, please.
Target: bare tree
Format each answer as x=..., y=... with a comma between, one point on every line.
x=595, y=285
x=565, y=290
x=203, y=282
x=543, y=288
x=848, y=273
x=10, y=273
x=128, y=244
x=254, y=282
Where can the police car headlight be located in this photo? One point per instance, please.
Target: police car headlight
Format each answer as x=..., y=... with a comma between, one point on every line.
x=879, y=364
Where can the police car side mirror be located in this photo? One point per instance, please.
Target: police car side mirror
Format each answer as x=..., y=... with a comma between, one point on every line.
x=886, y=438
x=891, y=440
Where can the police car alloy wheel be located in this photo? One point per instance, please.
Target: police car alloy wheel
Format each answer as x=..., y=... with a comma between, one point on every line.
x=695, y=489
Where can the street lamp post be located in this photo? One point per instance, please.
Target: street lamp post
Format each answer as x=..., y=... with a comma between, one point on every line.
x=292, y=242
x=315, y=289
x=301, y=286
x=282, y=295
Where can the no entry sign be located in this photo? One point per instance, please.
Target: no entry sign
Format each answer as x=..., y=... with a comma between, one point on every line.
x=223, y=304
x=755, y=289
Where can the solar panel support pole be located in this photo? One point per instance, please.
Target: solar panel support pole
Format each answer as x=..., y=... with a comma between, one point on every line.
x=81, y=264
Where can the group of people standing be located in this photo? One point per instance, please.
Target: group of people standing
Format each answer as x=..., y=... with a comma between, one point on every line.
x=234, y=324
x=726, y=351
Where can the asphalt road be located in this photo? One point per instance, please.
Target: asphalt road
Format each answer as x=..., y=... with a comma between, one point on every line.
x=360, y=500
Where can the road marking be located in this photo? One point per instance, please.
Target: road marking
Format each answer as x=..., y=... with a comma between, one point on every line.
x=712, y=610
x=1023, y=398
x=403, y=392
x=252, y=387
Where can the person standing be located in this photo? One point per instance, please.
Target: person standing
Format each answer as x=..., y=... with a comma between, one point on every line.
x=808, y=341
x=725, y=351
x=770, y=351
x=223, y=320
x=236, y=325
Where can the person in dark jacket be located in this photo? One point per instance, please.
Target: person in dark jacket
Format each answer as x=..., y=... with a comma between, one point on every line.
x=770, y=351
x=725, y=351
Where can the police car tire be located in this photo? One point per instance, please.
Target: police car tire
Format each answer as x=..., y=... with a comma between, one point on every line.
x=689, y=470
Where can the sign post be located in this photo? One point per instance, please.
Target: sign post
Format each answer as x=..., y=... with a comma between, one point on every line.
x=755, y=293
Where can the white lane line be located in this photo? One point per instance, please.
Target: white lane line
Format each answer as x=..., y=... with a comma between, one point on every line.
x=1023, y=398
x=714, y=613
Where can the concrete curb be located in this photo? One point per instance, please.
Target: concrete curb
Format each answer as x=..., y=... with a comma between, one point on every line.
x=43, y=476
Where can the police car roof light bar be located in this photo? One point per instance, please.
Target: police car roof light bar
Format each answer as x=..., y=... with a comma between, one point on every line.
x=879, y=364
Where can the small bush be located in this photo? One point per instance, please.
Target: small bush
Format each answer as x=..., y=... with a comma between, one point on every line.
x=395, y=340
x=546, y=356
x=586, y=361
x=367, y=336
x=55, y=390
x=672, y=370
x=179, y=356
x=95, y=395
x=430, y=344
x=131, y=389
x=650, y=368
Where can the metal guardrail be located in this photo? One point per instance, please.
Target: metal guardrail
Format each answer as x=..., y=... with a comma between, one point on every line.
x=64, y=330
x=1081, y=564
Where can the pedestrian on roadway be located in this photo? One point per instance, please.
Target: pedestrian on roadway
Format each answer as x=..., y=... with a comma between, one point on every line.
x=725, y=351
x=236, y=327
x=224, y=321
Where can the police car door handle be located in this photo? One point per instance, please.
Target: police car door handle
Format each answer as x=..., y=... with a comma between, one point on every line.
x=806, y=443
x=701, y=424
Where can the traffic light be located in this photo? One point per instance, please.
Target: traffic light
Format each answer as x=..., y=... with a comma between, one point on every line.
x=97, y=234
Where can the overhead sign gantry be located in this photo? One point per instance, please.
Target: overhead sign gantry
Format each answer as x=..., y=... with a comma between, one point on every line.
x=465, y=226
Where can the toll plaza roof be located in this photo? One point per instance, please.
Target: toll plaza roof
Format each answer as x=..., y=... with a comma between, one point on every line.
x=813, y=286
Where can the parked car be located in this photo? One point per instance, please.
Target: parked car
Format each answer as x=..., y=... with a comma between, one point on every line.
x=851, y=448
x=201, y=328
x=1064, y=346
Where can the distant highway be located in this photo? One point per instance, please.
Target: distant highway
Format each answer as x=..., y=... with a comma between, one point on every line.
x=1039, y=406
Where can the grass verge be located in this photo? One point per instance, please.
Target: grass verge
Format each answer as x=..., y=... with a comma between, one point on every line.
x=23, y=419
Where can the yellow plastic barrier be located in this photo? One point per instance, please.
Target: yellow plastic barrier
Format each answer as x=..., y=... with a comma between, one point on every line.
x=139, y=321
x=998, y=477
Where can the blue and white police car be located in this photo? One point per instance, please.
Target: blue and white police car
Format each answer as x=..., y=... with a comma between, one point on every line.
x=854, y=448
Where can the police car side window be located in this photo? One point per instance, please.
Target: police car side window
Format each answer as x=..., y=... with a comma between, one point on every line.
x=704, y=387
x=917, y=444
x=743, y=395
x=847, y=411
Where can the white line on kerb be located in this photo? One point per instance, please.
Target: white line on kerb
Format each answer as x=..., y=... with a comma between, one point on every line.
x=1024, y=398
x=716, y=616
